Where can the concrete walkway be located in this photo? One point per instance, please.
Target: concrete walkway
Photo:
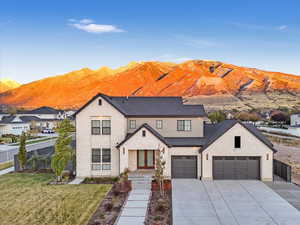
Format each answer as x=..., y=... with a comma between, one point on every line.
x=8, y=170
x=135, y=209
x=229, y=203
x=76, y=181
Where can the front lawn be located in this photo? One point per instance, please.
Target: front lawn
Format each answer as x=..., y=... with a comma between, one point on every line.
x=27, y=199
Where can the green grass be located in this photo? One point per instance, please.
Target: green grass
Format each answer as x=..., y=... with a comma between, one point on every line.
x=35, y=141
x=27, y=199
x=6, y=165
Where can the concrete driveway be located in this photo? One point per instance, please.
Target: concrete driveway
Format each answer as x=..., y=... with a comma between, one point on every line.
x=229, y=202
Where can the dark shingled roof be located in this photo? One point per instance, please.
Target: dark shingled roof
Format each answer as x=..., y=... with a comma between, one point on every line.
x=186, y=141
x=42, y=110
x=151, y=106
x=24, y=119
x=214, y=131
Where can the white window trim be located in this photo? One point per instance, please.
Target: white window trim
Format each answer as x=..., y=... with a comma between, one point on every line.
x=134, y=122
x=101, y=164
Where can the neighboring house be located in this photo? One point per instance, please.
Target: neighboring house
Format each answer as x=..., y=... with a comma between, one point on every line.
x=40, y=118
x=115, y=133
x=294, y=128
x=15, y=124
x=2, y=114
x=295, y=119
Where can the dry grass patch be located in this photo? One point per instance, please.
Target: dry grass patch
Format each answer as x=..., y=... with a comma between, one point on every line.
x=27, y=199
x=6, y=165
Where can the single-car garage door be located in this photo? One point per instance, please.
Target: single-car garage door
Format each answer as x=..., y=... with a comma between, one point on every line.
x=184, y=166
x=227, y=167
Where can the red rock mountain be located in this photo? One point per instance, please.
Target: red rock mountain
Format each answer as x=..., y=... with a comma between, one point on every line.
x=7, y=84
x=188, y=79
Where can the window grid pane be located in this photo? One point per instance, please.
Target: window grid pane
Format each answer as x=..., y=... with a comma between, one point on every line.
x=159, y=124
x=106, y=157
x=106, y=128
x=96, y=127
x=132, y=124
x=96, y=155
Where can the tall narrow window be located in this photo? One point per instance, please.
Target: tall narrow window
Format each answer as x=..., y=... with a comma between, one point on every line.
x=106, y=128
x=237, y=142
x=99, y=102
x=144, y=133
x=106, y=159
x=159, y=124
x=96, y=155
x=96, y=127
x=132, y=124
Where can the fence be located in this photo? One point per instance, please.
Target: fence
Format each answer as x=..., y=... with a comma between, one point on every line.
x=282, y=170
x=8, y=155
x=42, y=159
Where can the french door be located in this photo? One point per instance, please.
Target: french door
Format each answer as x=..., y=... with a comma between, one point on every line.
x=145, y=159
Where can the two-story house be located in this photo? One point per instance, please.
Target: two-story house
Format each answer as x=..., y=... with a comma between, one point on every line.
x=118, y=133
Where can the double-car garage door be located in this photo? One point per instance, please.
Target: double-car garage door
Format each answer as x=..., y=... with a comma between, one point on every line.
x=225, y=167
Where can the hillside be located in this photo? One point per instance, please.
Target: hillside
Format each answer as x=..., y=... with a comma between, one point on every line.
x=7, y=84
x=219, y=84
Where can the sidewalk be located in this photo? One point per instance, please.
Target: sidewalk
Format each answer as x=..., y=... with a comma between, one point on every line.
x=8, y=170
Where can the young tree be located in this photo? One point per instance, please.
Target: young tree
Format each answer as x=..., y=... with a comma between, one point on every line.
x=22, y=155
x=159, y=171
x=216, y=117
x=63, y=151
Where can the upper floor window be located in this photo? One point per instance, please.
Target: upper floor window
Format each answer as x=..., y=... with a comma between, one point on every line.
x=106, y=129
x=132, y=124
x=144, y=133
x=237, y=142
x=159, y=124
x=96, y=127
x=184, y=125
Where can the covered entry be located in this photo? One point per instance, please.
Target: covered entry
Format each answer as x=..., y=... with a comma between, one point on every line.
x=184, y=166
x=239, y=167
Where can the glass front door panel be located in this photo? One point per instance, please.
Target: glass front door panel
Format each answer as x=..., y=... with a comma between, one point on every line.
x=141, y=158
x=150, y=162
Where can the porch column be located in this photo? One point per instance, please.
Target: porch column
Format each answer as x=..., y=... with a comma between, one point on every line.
x=123, y=159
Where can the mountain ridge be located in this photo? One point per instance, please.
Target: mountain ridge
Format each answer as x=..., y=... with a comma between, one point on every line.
x=190, y=79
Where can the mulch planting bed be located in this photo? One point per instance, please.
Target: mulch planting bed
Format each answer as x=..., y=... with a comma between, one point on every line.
x=159, y=209
x=100, y=180
x=110, y=207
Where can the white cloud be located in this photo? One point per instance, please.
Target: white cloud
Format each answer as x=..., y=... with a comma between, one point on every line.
x=86, y=21
x=88, y=25
x=282, y=27
x=258, y=27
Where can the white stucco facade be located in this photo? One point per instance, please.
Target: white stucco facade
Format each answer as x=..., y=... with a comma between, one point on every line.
x=85, y=141
x=250, y=146
x=126, y=144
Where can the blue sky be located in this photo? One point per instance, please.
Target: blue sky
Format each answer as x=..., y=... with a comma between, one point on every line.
x=46, y=38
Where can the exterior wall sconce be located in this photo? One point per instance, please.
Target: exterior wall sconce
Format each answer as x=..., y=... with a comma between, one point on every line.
x=123, y=151
x=267, y=156
x=206, y=156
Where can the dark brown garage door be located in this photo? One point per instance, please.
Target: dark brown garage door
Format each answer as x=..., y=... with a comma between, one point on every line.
x=225, y=167
x=184, y=166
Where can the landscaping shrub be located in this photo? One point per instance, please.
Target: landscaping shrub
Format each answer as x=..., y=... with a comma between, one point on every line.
x=108, y=206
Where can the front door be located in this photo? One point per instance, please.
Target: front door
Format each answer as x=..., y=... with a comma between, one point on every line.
x=145, y=159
